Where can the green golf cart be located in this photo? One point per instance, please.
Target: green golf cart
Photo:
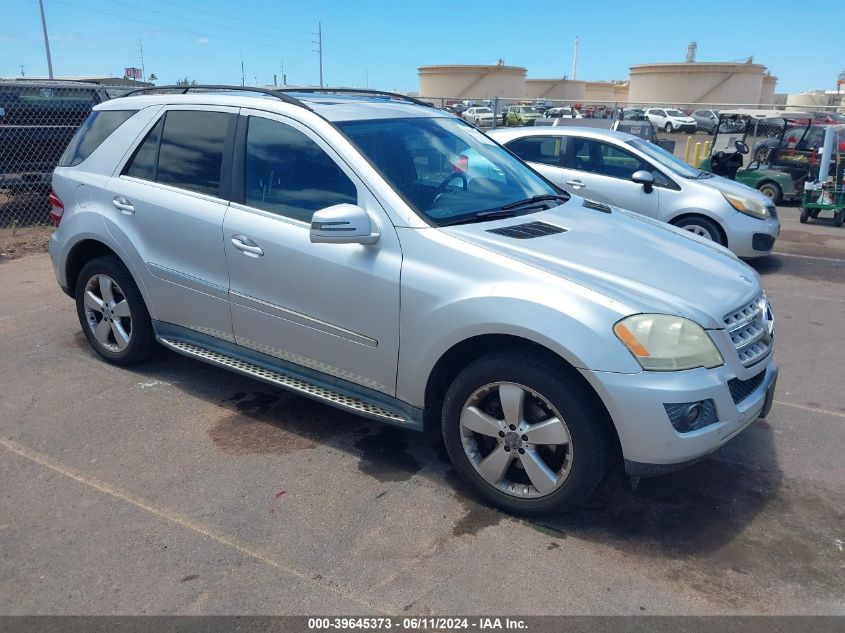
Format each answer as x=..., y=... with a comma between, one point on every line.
x=778, y=172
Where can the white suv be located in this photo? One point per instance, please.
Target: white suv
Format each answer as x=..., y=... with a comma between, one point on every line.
x=338, y=246
x=671, y=120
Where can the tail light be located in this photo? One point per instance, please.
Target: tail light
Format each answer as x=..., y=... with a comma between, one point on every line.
x=56, y=209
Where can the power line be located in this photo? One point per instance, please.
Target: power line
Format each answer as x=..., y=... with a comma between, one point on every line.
x=233, y=17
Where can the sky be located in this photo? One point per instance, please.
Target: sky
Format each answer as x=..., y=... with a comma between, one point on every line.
x=380, y=44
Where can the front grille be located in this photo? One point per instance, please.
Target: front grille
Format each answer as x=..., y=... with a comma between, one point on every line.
x=749, y=329
x=741, y=389
x=528, y=231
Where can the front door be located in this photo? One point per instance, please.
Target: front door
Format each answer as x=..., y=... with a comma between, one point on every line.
x=333, y=308
x=602, y=171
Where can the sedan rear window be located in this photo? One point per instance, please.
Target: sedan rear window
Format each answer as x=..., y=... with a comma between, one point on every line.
x=96, y=129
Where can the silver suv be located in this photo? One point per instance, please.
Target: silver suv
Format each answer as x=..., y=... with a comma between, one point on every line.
x=387, y=258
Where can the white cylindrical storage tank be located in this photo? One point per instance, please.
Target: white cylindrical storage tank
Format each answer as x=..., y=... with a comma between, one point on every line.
x=700, y=82
x=767, y=93
x=471, y=81
x=559, y=89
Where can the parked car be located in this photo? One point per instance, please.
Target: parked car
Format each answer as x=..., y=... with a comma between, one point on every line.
x=37, y=121
x=706, y=120
x=644, y=130
x=633, y=114
x=540, y=333
x=479, y=116
x=521, y=115
x=670, y=120
x=563, y=112
x=822, y=118
x=627, y=171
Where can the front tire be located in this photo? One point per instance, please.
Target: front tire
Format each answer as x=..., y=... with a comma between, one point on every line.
x=703, y=227
x=668, y=128
x=112, y=312
x=525, y=433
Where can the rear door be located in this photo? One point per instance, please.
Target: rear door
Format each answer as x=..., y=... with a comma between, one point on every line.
x=167, y=213
x=602, y=171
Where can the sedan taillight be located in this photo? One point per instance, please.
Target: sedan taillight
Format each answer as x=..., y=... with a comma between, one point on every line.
x=56, y=209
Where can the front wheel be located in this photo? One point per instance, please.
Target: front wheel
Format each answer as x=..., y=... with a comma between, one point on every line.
x=112, y=312
x=703, y=227
x=805, y=215
x=668, y=128
x=525, y=433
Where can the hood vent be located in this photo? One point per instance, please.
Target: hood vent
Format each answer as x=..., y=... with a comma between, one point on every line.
x=597, y=206
x=528, y=231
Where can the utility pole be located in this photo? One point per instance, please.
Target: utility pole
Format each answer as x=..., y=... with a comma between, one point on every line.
x=243, y=80
x=46, y=39
x=143, y=70
x=319, y=50
x=575, y=59
x=23, y=72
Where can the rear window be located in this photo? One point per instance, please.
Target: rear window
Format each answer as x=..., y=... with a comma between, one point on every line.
x=46, y=105
x=96, y=129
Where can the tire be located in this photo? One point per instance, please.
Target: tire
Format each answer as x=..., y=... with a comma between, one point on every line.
x=549, y=391
x=103, y=286
x=702, y=226
x=839, y=217
x=772, y=191
x=805, y=215
x=668, y=128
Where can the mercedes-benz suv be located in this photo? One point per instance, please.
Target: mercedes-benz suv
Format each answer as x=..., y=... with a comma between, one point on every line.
x=345, y=248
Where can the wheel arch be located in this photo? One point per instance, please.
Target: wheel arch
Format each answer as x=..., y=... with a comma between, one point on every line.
x=465, y=352
x=700, y=214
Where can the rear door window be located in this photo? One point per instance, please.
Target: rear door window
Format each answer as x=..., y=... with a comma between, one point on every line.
x=539, y=149
x=96, y=129
x=190, y=153
x=143, y=163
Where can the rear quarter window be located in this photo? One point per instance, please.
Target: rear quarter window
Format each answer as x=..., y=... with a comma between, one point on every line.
x=91, y=134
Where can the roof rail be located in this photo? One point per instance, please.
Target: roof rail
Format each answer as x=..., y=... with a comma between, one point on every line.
x=361, y=91
x=185, y=89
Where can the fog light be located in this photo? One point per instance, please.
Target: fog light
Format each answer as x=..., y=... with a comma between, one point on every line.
x=691, y=416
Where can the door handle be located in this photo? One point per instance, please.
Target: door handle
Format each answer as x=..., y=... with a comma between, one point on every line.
x=575, y=183
x=247, y=246
x=123, y=205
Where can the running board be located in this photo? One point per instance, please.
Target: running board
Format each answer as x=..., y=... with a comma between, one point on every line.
x=297, y=385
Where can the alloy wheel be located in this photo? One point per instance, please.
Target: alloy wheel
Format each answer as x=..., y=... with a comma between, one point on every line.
x=698, y=230
x=516, y=440
x=107, y=313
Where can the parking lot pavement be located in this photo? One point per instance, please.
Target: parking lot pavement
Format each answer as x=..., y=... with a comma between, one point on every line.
x=179, y=488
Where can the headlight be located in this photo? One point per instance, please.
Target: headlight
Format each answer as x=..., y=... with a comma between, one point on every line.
x=661, y=342
x=748, y=206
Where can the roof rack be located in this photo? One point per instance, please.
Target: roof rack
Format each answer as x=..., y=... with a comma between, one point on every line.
x=282, y=93
x=185, y=89
x=362, y=91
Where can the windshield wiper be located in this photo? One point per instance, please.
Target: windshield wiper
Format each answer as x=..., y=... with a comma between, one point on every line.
x=547, y=197
x=481, y=216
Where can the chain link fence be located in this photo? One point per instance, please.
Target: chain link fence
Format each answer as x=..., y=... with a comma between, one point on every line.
x=37, y=121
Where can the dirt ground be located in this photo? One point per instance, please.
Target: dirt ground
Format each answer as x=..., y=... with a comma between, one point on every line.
x=19, y=241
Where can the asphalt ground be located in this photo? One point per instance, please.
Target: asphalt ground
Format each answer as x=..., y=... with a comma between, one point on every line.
x=179, y=488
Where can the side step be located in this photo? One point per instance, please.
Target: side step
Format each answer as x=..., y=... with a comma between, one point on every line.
x=297, y=385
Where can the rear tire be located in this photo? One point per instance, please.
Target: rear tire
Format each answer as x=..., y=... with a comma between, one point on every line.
x=566, y=453
x=805, y=215
x=772, y=191
x=702, y=226
x=112, y=312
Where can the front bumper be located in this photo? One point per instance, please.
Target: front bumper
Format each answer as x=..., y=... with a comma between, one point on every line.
x=751, y=237
x=650, y=444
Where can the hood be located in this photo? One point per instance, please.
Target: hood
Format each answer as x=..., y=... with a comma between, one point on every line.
x=645, y=264
x=737, y=188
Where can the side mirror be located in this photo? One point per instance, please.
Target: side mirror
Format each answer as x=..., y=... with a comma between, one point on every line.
x=741, y=147
x=644, y=178
x=342, y=224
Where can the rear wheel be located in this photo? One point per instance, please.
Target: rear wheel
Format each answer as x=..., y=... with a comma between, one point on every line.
x=805, y=215
x=112, y=312
x=703, y=227
x=839, y=217
x=771, y=190
x=525, y=434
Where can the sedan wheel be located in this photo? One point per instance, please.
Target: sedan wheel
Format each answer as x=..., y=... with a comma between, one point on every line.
x=107, y=313
x=516, y=440
x=703, y=227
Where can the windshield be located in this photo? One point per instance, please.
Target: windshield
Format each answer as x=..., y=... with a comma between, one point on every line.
x=675, y=113
x=483, y=110
x=443, y=167
x=670, y=161
x=528, y=110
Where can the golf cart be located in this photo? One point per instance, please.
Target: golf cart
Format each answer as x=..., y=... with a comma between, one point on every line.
x=782, y=173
